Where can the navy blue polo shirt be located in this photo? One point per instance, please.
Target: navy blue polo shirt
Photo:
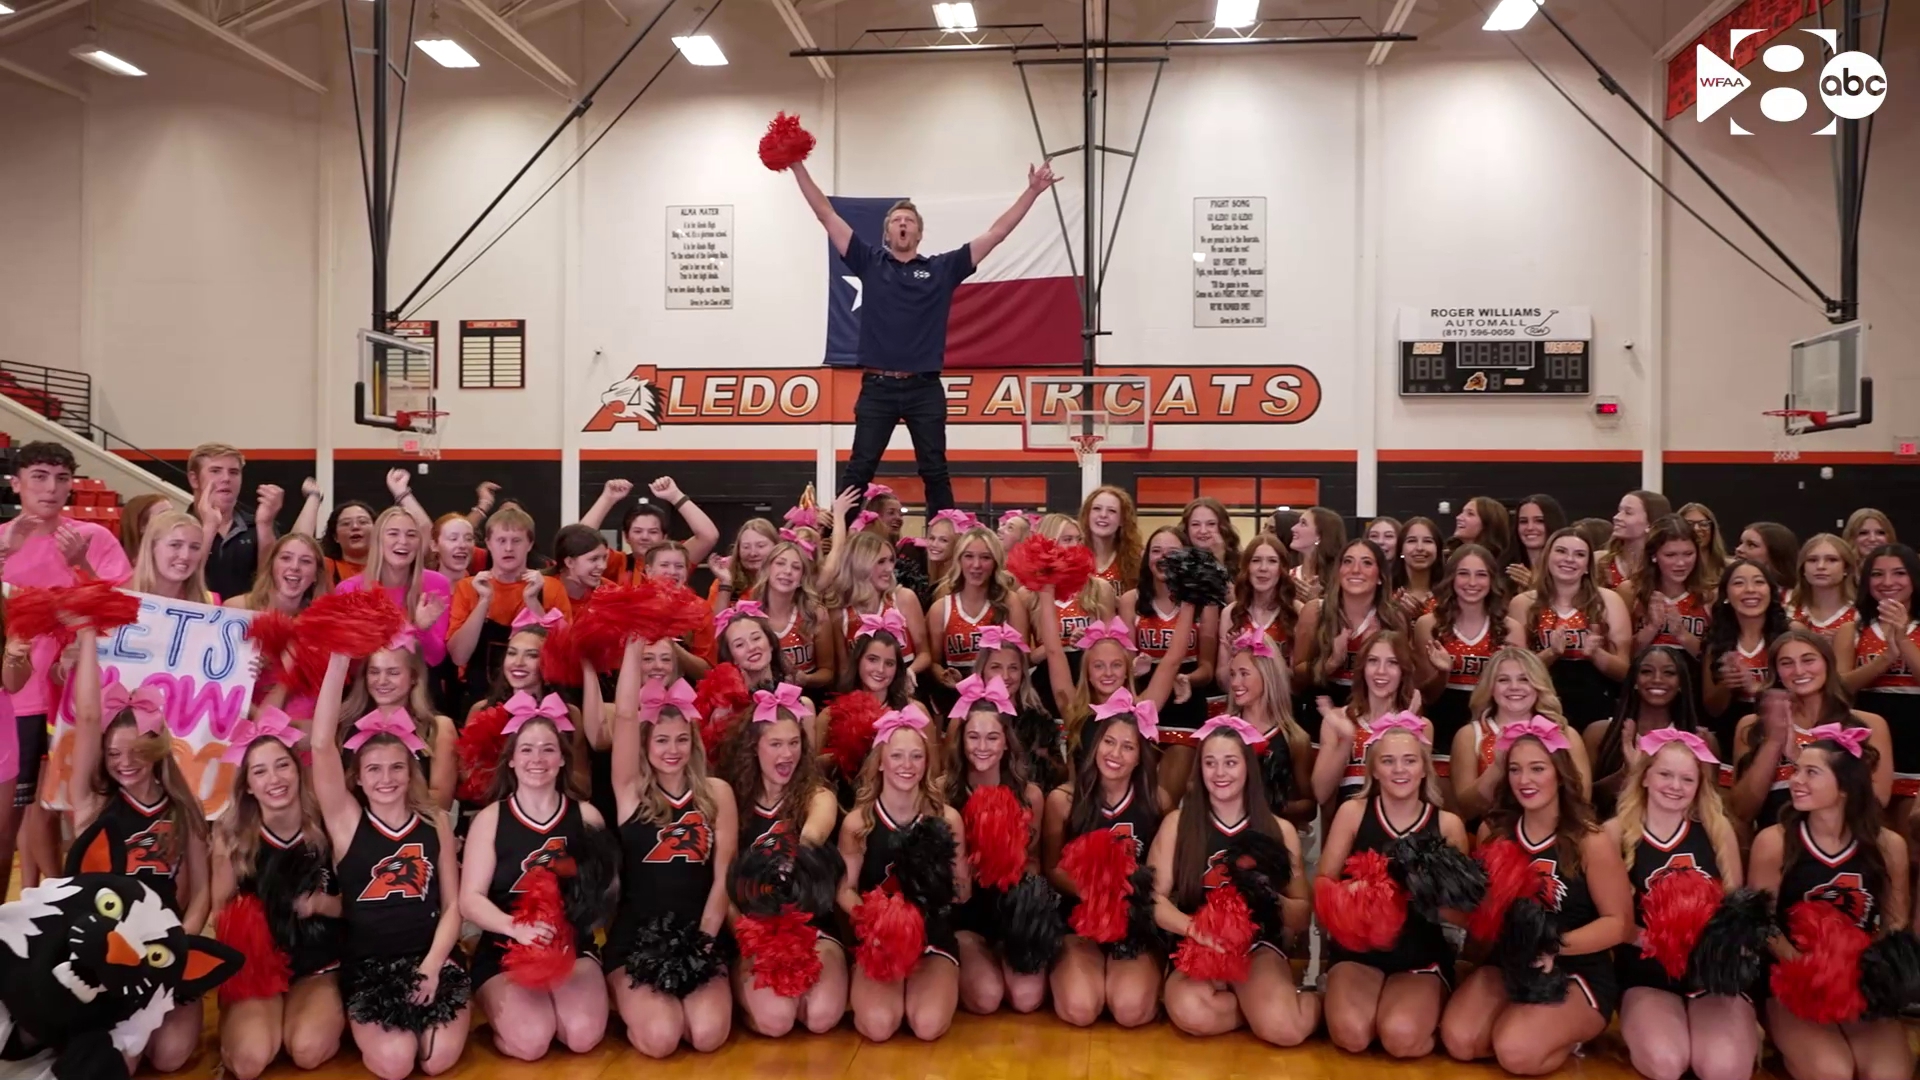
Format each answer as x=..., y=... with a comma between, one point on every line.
x=904, y=305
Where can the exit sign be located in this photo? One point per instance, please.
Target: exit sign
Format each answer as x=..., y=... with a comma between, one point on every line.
x=1906, y=447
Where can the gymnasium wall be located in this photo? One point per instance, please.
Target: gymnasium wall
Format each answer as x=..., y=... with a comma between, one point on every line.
x=198, y=244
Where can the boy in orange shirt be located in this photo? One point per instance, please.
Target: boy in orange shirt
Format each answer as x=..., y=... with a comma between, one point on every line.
x=478, y=641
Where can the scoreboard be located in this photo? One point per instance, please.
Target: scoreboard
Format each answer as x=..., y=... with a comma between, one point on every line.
x=1490, y=349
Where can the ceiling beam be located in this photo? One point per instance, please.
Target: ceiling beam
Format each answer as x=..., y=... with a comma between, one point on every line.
x=47, y=81
x=238, y=42
x=504, y=29
x=801, y=36
x=254, y=26
x=27, y=19
x=531, y=17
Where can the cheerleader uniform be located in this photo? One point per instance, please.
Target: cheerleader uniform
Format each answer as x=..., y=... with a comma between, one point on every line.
x=1585, y=694
x=981, y=911
x=1354, y=776
x=797, y=647
x=1219, y=836
x=1778, y=797
x=876, y=872
x=1074, y=619
x=1450, y=711
x=1153, y=636
x=850, y=627
x=1895, y=696
x=1133, y=818
x=134, y=839
x=1688, y=851
x=1340, y=686
x=1839, y=879
x=961, y=634
x=1828, y=627
x=764, y=828
x=390, y=882
x=1694, y=617
x=1741, y=705
x=521, y=846
x=666, y=873
x=319, y=950
x=1422, y=948
x=1573, y=907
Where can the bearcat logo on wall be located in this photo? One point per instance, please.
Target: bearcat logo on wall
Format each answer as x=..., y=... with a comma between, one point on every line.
x=649, y=397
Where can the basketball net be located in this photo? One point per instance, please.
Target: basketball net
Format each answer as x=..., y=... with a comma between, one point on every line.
x=1783, y=445
x=1086, y=447
x=419, y=433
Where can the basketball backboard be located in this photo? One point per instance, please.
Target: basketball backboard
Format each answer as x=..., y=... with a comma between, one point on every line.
x=395, y=376
x=1827, y=376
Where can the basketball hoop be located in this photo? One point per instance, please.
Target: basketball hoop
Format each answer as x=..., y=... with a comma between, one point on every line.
x=1793, y=422
x=419, y=433
x=1086, y=446
x=1814, y=417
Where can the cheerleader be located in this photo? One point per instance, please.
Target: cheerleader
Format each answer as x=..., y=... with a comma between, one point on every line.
x=1577, y=628
x=945, y=527
x=1660, y=697
x=1538, y=517
x=1332, y=627
x=1263, y=599
x=1395, y=995
x=1456, y=638
x=736, y=573
x=1706, y=535
x=1257, y=691
x=580, y=562
x=899, y=784
x=1671, y=822
x=1111, y=661
x=988, y=753
x=877, y=670
x=289, y=578
x=793, y=608
x=1483, y=521
x=397, y=563
x=1514, y=689
x=1667, y=599
x=1014, y=527
x=1112, y=531
x=535, y=819
x=1115, y=787
x=977, y=592
x=677, y=833
x=1205, y=524
x=1770, y=739
x=1386, y=673
x=394, y=680
x=747, y=641
x=1189, y=855
x=1590, y=905
x=134, y=814
x=1385, y=534
x=1152, y=614
x=862, y=590
x=1867, y=530
x=405, y=991
x=1822, y=599
x=1746, y=618
x=271, y=826
x=1096, y=602
x=452, y=546
x=1830, y=847
x=1633, y=520
x=1879, y=655
x=1004, y=655
x=1772, y=545
x=788, y=805
x=1413, y=576
x=1316, y=539
x=890, y=516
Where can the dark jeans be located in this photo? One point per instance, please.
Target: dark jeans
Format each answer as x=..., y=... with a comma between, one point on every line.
x=920, y=401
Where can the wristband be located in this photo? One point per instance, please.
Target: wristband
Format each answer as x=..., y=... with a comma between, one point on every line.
x=680, y=502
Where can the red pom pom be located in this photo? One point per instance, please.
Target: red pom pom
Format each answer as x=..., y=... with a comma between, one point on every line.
x=272, y=633
x=722, y=699
x=541, y=967
x=649, y=610
x=35, y=612
x=1225, y=921
x=266, y=972
x=480, y=745
x=892, y=936
x=1822, y=984
x=1100, y=864
x=1674, y=912
x=356, y=624
x=785, y=144
x=1037, y=562
x=1365, y=910
x=998, y=831
x=1510, y=876
x=850, y=730
x=559, y=659
x=783, y=949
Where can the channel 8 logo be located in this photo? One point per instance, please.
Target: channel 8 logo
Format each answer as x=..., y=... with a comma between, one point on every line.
x=1851, y=85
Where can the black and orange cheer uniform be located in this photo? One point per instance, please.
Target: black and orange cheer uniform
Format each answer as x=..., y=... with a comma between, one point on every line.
x=1422, y=948
x=666, y=871
x=1134, y=817
x=1694, y=614
x=1573, y=907
x=1450, y=711
x=1585, y=694
x=1153, y=636
x=1688, y=851
x=390, y=888
x=797, y=646
x=1842, y=879
x=1895, y=695
x=132, y=838
x=1219, y=836
x=522, y=847
x=960, y=635
x=876, y=872
x=315, y=955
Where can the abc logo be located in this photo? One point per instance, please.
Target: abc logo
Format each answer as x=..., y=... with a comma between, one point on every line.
x=1851, y=85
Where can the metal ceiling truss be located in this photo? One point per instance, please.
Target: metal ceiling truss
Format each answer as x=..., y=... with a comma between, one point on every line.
x=1034, y=37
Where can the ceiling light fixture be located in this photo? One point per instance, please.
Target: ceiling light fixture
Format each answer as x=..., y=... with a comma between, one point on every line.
x=1511, y=15
x=447, y=53
x=955, y=16
x=700, y=51
x=1235, y=14
x=104, y=60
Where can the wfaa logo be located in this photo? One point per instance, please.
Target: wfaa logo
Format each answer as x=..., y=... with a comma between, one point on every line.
x=1852, y=84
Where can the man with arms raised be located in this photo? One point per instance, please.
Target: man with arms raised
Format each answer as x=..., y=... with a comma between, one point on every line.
x=233, y=545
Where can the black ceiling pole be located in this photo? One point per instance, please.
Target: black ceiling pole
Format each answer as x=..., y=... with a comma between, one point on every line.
x=380, y=222
x=1852, y=182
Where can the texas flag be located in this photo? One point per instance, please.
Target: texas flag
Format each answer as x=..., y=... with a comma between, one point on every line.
x=1021, y=307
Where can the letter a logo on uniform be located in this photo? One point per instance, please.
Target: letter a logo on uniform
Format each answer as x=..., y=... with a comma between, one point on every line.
x=1716, y=82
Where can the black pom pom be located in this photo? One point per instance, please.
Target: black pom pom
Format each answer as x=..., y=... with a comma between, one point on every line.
x=1195, y=577
x=592, y=891
x=1143, y=934
x=766, y=882
x=287, y=874
x=923, y=865
x=1260, y=868
x=1890, y=975
x=1529, y=934
x=1276, y=770
x=672, y=955
x=1732, y=952
x=382, y=991
x=1041, y=736
x=1435, y=874
x=816, y=876
x=1030, y=925
x=910, y=573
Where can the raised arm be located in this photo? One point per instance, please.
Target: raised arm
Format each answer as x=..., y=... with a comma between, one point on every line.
x=626, y=729
x=86, y=727
x=337, y=805
x=612, y=494
x=592, y=707
x=311, y=497
x=1039, y=178
x=839, y=233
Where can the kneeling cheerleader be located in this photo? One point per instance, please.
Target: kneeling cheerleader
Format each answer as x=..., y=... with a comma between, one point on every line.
x=1404, y=859
x=1228, y=878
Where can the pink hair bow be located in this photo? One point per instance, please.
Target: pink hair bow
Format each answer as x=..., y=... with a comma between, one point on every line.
x=1536, y=726
x=1111, y=630
x=408, y=639
x=794, y=538
x=656, y=697
x=912, y=541
x=745, y=609
x=1652, y=741
x=896, y=719
x=1232, y=723
x=802, y=517
x=1001, y=636
x=889, y=620
x=1851, y=739
x=961, y=519
x=973, y=690
x=1146, y=715
x=550, y=619
x=768, y=703
x=521, y=708
x=267, y=723
x=1010, y=515
x=148, y=705
x=864, y=519
x=395, y=722
x=1255, y=641
x=875, y=491
x=1402, y=721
